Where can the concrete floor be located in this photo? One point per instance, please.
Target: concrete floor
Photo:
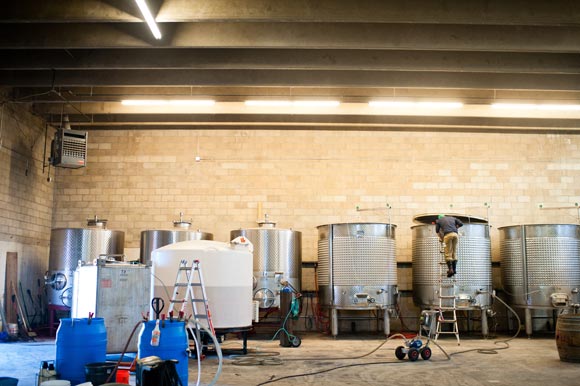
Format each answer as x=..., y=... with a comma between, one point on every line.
x=526, y=361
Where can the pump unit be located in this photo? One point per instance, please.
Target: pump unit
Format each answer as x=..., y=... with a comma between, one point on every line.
x=69, y=149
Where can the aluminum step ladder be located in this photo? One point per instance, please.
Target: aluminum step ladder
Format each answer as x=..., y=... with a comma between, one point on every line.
x=193, y=300
x=447, y=310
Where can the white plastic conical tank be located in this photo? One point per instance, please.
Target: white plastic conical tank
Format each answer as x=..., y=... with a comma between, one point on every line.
x=227, y=275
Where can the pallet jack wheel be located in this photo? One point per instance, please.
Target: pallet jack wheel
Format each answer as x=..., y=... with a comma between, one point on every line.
x=426, y=353
x=400, y=353
x=413, y=354
x=296, y=341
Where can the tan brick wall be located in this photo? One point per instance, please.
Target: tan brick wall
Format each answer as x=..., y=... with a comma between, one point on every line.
x=26, y=197
x=142, y=179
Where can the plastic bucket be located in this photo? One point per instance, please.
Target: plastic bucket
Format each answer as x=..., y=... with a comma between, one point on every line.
x=55, y=382
x=173, y=344
x=568, y=337
x=78, y=343
x=122, y=377
x=98, y=373
x=7, y=381
x=12, y=329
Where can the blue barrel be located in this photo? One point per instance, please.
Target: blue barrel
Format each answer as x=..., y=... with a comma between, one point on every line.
x=79, y=342
x=173, y=344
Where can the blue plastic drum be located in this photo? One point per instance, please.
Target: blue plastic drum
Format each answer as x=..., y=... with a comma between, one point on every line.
x=79, y=342
x=173, y=344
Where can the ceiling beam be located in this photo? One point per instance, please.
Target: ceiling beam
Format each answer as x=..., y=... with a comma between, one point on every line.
x=93, y=99
x=441, y=37
x=288, y=78
x=513, y=12
x=494, y=62
x=421, y=123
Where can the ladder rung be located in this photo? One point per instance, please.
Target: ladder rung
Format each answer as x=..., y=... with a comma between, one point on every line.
x=445, y=308
x=448, y=332
x=446, y=296
x=193, y=278
x=447, y=320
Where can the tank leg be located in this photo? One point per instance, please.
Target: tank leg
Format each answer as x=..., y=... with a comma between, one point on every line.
x=387, y=322
x=334, y=321
x=484, y=325
x=528, y=322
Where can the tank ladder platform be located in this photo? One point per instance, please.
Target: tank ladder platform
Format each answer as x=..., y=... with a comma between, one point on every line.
x=199, y=306
x=447, y=309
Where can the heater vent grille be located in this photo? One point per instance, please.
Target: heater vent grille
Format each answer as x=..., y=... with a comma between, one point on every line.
x=69, y=149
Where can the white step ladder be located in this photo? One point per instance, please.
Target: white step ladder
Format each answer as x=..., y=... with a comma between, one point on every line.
x=190, y=278
x=447, y=310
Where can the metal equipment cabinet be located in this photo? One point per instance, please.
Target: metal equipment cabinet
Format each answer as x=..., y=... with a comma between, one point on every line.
x=117, y=292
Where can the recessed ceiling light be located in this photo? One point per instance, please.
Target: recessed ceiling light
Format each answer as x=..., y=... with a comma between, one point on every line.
x=271, y=103
x=167, y=102
x=538, y=106
x=287, y=103
x=426, y=104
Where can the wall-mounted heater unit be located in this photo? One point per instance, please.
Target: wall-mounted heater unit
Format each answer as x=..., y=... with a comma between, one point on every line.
x=69, y=149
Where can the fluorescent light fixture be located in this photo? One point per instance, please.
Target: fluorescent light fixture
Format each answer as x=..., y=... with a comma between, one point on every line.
x=149, y=18
x=532, y=106
x=268, y=103
x=167, y=102
x=391, y=104
x=283, y=103
x=316, y=103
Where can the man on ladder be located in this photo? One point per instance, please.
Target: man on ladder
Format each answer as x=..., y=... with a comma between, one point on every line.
x=446, y=228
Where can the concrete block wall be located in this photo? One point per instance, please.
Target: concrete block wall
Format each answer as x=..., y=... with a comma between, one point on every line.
x=26, y=197
x=142, y=179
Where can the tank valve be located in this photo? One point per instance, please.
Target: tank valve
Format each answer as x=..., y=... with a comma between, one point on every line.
x=362, y=298
x=559, y=299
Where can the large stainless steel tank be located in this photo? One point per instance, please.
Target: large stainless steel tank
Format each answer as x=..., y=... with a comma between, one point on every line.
x=357, y=268
x=69, y=246
x=473, y=279
x=153, y=239
x=540, y=264
x=277, y=257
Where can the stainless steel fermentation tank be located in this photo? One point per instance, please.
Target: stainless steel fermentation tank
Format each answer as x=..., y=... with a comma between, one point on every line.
x=473, y=281
x=540, y=266
x=153, y=239
x=357, y=269
x=68, y=247
x=277, y=258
